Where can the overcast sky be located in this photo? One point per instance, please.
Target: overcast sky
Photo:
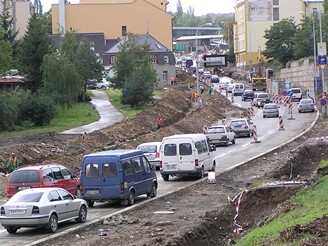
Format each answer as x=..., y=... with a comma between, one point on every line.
x=201, y=7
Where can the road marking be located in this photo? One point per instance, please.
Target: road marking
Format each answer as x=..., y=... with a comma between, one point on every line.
x=2, y=231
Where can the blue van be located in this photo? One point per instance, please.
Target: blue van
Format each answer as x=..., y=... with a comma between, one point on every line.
x=117, y=175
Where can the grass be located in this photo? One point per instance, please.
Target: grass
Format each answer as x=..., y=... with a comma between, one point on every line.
x=115, y=97
x=311, y=203
x=79, y=114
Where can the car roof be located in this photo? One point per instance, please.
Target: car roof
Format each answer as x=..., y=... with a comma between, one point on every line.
x=117, y=153
x=270, y=104
x=38, y=167
x=217, y=126
x=239, y=119
x=150, y=143
x=43, y=189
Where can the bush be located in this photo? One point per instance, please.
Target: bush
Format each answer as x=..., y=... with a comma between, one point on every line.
x=8, y=111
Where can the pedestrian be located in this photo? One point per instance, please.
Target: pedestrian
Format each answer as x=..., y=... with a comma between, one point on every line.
x=202, y=89
x=172, y=80
x=13, y=163
x=205, y=129
x=210, y=90
x=159, y=122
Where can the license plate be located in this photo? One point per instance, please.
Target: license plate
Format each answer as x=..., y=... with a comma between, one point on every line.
x=93, y=192
x=23, y=188
x=17, y=212
x=170, y=167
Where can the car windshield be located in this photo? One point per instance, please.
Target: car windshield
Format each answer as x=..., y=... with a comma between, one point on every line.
x=267, y=106
x=238, y=123
x=25, y=176
x=148, y=148
x=306, y=101
x=216, y=130
x=29, y=197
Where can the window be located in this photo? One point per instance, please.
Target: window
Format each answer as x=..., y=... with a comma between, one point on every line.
x=127, y=167
x=26, y=176
x=199, y=147
x=109, y=170
x=57, y=173
x=275, y=2
x=124, y=30
x=153, y=59
x=112, y=59
x=54, y=196
x=92, y=48
x=276, y=14
x=315, y=11
x=65, y=195
x=170, y=150
x=66, y=173
x=185, y=149
x=146, y=164
x=137, y=164
x=92, y=43
x=166, y=59
x=165, y=76
x=92, y=170
x=205, y=146
x=32, y=197
x=47, y=175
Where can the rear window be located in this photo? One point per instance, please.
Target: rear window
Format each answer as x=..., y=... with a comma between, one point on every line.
x=148, y=148
x=170, y=149
x=249, y=92
x=307, y=101
x=185, y=149
x=262, y=95
x=296, y=90
x=109, y=170
x=25, y=176
x=238, y=123
x=270, y=106
x=30, y=197
x=216, y=130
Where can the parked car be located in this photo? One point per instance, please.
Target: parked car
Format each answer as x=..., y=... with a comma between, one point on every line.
x=41, y=207
x=248, y=94
x=306, y=105
x=104, y=84
x=297, y=94
x=258, y=98
x=186, y=154
x=119, y=175
x=49, y=175
x=220, y=134
x=242, y=127
x=215, y=79
x=270, y=109
x=152, y=151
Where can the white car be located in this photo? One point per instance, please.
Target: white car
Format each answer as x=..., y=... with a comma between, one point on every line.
x=270, y=109
x=242, y=127
x=297, y=94
x=152, y=151
x=258, y=98
x=104, y=84
x=220, y=134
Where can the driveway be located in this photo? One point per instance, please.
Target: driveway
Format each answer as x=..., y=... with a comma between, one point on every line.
x=109, y=115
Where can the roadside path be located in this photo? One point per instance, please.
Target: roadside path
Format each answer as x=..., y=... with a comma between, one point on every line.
x=109, y=115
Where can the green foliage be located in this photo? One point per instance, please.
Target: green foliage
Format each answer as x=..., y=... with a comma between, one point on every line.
x=323, y=164
x=38, y=109
x=303, y=47
x=5, y=54
x=8, y=111
x=35, y=45
x=69, y=46
x=310, y=204
x=279, y=44
x=7, y=23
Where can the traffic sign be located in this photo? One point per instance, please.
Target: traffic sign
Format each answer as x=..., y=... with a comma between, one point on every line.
x=322, y=60
x=323, y=102
x=290, y=93
x=285, y=93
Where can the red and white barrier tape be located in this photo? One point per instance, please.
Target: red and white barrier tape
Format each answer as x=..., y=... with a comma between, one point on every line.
x=238, y=197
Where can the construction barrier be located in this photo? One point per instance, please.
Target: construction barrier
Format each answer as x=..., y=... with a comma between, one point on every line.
x=232, y=98
x=241, y=115
x=237, y=200
x=281, y=123
x=252, y=109
x=255, y=135
x=249, y=114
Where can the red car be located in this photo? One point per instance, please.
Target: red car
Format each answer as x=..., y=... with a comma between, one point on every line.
x=49, y=175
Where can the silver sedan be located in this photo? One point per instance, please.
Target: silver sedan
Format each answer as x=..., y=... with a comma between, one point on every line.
x=45, y=207
x=306, y=105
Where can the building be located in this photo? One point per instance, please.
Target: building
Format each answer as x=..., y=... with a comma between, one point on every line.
x=115, y=18
x=191, y=31
x=204, y=43
x=253, y=17
x=163, y=59
x=21, y=10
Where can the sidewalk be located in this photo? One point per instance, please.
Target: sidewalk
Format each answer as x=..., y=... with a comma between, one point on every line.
x=108, y=115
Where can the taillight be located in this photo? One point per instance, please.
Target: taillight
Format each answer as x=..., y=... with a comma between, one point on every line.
x=224, y=137
x=2, y=211
x=124, y=185
x=157, y=154
x=35, y=210
x=160, y=164
x=196, y=162
x=245, y=127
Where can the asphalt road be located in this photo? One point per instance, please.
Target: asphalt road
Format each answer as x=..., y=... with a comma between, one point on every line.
x=226, y=157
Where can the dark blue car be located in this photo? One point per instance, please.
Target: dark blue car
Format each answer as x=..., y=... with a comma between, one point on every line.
x=248, y=94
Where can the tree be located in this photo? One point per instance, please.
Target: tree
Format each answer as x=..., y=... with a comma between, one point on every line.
x=279, y=44
x=303, y=44
x=61, y=79
x=134, y=72
x=35, y=45
x=5, y=54
x=7, y=22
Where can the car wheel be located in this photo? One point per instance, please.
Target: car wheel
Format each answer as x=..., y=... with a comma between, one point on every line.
x=11, y=230
x=78, y=192
x=90, y=203
x=131, y=198
x=299, y=111
x=263, y=116
x=53, y=223
x=153, y=192
x=103, y=87
x=226, y=144
x=82, y=214
x=233, y=141
x=201, y=174
x=213, y=167
x=165, y=177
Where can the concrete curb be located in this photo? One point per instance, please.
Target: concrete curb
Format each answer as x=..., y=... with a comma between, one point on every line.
x=98, y=220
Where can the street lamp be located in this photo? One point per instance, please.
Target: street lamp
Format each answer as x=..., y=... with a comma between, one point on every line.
x=197, y=74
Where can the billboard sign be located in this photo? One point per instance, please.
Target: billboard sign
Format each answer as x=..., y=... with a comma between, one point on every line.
x=215, y=61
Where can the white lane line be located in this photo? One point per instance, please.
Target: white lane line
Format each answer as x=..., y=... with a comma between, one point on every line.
x=2, y=231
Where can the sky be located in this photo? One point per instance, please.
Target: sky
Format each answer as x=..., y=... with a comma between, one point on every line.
x=201, y=7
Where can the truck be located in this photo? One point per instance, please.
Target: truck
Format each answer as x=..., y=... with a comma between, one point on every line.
x=259, y=84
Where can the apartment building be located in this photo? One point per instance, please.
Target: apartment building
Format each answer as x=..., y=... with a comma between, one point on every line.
x=21, y=10
x=253, y=17
x=115, y=18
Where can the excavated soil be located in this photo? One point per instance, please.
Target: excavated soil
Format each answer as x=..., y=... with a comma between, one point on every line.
x=201, y=214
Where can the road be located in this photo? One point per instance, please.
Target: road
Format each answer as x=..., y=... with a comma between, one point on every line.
x=227, y=157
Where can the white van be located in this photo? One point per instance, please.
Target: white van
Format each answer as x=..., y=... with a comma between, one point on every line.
x=186, y=154
x=238, y=89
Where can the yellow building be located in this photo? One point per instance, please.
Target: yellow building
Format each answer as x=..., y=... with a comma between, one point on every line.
x=115, y=18
x=253, y=17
